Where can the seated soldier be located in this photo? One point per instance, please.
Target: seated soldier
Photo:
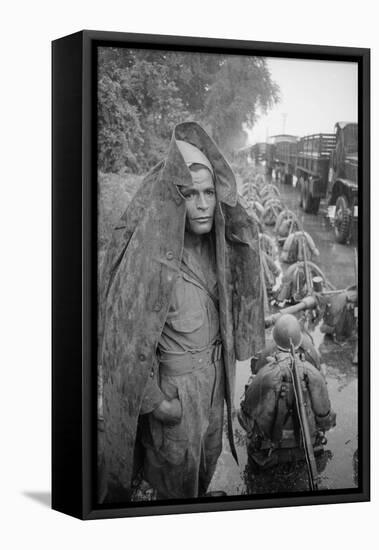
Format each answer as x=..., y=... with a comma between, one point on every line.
x=268, y=411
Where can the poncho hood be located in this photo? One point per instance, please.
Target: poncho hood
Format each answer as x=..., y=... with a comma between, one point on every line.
x=193, y=133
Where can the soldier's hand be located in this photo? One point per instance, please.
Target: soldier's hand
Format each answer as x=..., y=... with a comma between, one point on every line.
x=169, y=412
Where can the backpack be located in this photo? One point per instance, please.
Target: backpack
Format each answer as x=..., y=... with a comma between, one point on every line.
x=269, y=413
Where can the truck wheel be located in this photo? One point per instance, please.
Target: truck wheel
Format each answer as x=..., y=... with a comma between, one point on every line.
x=306, y=198
x=310, y=204
x=303, y=197
x=342, y=220
x=288, y=179
x=315, y=205
x=307, y=201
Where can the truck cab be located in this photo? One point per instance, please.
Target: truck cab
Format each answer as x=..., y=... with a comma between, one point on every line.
x=342, y=191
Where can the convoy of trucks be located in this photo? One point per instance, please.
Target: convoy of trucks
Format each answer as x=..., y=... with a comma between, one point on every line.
x=323, y=166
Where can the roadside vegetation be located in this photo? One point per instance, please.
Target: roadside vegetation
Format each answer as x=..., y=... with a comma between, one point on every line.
x=143, y=94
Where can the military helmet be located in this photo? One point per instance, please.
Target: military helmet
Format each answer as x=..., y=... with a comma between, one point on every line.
x=287, y=331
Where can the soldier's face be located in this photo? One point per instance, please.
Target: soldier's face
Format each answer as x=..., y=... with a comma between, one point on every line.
x=200, y=202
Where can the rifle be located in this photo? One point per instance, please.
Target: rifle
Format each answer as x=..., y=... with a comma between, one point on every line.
x=264, y=266
x=309, y=302
x=303, y=421
x=306, y=266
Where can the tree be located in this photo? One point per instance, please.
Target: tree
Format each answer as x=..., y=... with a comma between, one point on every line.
x=119, y=127
x=242, y=87
x=143, y=93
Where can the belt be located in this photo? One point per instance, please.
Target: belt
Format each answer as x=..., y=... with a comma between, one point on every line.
x=189, y=361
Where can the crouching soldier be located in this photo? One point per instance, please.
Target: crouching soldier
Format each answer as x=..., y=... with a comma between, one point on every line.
x=270, y=409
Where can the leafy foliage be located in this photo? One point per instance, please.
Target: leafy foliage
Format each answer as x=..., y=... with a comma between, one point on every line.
x=241, y=86
x=114, y=194
x=142, y=94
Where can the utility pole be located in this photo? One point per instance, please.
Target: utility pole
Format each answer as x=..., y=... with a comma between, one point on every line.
x=284, y=116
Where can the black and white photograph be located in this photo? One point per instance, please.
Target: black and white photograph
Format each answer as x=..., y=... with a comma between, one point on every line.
x=228, y=276
x=189, y=226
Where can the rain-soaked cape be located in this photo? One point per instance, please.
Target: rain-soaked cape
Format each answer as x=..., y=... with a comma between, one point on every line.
x=142, y=260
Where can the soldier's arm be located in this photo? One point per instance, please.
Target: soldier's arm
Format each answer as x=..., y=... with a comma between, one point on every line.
x=152, y=397
x=168, y=411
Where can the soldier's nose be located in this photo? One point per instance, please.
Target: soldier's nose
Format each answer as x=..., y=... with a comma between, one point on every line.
x=202, y=203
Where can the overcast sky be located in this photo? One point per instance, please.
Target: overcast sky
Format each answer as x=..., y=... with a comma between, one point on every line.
x=314, y=96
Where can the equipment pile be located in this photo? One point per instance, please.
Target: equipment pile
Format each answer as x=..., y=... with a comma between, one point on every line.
x=286, y=410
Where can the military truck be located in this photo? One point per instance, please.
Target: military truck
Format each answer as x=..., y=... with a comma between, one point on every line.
x=342, y=192
x=327, y=167
x=312, y=169
x=259, y=151
x=283, y=157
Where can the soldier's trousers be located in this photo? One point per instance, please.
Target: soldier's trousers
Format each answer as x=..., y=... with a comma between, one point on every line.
x=180, y=460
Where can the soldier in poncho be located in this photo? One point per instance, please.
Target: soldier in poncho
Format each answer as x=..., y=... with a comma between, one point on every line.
x=180, y=300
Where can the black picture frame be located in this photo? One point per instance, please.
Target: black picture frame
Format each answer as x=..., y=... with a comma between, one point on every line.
x=74, y=253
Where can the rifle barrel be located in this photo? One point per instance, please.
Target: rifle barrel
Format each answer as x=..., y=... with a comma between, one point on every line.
x=306, y=266
x=304, y=426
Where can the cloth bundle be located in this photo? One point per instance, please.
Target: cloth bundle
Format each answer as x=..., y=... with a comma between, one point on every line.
x=298, y=245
